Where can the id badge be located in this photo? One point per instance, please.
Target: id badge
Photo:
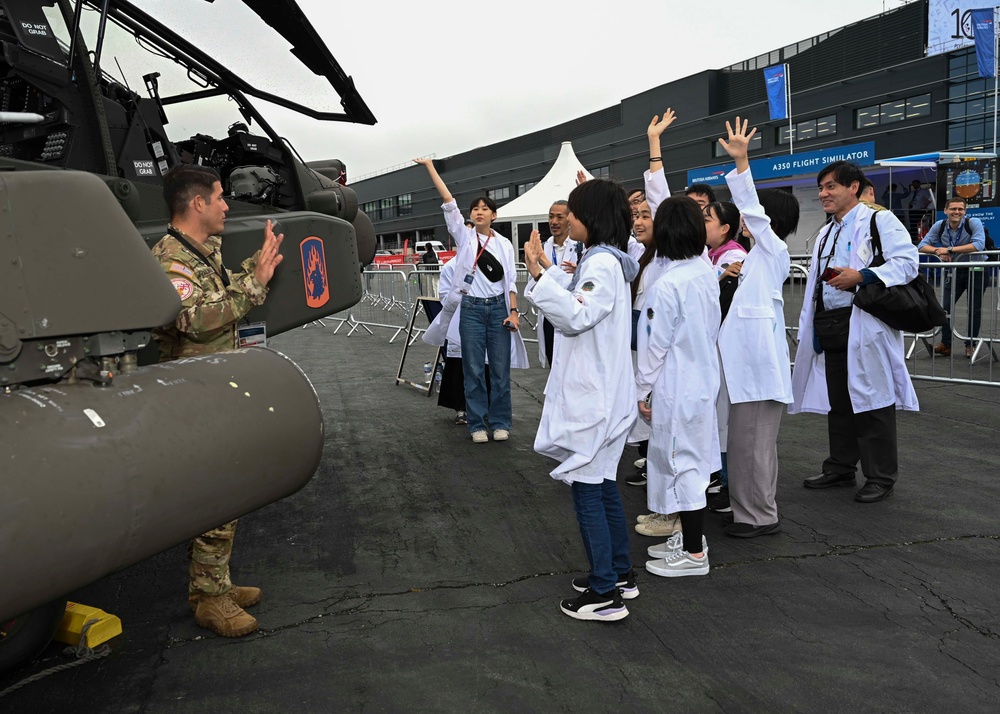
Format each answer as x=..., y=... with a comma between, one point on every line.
x=252, y=335
x=865, y=254
x=469, y=278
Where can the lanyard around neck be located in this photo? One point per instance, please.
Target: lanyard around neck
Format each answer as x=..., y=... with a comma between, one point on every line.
x=180, y=238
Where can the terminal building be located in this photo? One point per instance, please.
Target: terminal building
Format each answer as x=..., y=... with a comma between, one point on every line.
x=902, y=83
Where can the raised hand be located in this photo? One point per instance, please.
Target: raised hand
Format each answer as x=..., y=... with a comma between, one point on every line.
x=657, y=126
x=533, y=253
x=269, y=257
x=738, y=142
x=581, y=177
x=424, y=162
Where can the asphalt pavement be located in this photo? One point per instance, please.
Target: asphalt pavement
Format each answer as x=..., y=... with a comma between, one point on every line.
x=418, y=572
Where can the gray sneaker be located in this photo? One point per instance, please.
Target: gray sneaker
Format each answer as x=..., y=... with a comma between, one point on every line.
x=678, y=565
x=674, y=544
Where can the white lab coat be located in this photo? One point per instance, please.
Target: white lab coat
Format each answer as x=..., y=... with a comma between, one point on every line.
x=652, y=273
x=658, y=191
x=569, y=254
x=752, y=340
x=589, y=397
x=678, y=362
x=876, y=367
x=465, y=256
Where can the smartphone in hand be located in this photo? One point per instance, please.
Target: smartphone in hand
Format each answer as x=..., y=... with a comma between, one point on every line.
x=829, y=274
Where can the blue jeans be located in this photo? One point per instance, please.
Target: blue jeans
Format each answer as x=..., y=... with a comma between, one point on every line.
x=605, y=533
x=482, y=331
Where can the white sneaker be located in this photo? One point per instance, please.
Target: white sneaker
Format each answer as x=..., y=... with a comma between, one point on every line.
x=640, y=463
x=678, y=565
x=643, y=517
x=674, y=544
x=480, y=437
x=659, y=525
x=501, y=435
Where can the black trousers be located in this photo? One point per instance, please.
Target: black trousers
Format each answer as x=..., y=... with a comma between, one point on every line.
x=959, y=282
x=868, y=437
x=549, y=334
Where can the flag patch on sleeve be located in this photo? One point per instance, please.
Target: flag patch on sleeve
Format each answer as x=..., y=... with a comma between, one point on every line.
x=180, y=269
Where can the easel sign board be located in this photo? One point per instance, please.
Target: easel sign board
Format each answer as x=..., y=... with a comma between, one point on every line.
x=411, y=335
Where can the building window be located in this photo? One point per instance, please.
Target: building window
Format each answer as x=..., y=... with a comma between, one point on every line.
x=499, y=194
x=523, y=188
x=890, y=112
x=970, y=104
x=405, y=203
x=602, y=172
x=809, y=129
x=719, y=152
x=386, y=209
x=370, y=208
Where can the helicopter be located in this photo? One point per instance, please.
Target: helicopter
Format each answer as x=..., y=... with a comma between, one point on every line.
x=88, y=91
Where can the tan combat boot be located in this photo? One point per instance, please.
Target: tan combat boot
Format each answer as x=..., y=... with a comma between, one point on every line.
x=242, y=595
x=224, y=617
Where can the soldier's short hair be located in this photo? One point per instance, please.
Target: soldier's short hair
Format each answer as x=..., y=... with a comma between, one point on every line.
x=185, y=181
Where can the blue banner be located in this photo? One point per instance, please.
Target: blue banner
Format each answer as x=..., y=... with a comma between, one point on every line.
x=986, y=40
x=789, y=164
x=777, y=97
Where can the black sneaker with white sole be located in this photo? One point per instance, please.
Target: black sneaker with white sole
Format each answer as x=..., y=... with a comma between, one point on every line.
x=715, y=483
x=638, y=479
x=593, y=606
x=626, y=584
x=720, y=502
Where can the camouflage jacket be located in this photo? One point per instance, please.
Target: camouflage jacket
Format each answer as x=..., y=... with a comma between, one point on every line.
x=209, y=310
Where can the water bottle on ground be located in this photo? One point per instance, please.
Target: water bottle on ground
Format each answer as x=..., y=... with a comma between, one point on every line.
x=427, y=372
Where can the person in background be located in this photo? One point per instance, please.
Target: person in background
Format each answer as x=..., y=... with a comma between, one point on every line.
x=702, y=193
x=485, y=262
x=564, y=252
x=957, y=238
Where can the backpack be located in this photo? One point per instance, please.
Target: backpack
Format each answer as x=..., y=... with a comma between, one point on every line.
x=989, y=245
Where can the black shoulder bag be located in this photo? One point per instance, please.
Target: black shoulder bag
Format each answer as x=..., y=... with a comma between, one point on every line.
x=911, y=308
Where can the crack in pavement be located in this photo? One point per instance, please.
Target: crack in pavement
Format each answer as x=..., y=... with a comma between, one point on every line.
x=365, y=599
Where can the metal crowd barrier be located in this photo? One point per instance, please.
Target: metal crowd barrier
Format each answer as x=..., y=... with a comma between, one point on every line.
x=390, y=296
x=925, y=363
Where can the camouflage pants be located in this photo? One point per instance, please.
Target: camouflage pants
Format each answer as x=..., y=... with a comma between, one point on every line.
x=210, y=561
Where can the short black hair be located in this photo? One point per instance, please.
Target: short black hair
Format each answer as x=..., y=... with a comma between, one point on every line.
x=602, y=207
x=844, y=172
x=185, y=181
x=679, y=229
x=490, y=203
x=702, y=189
x=783, y=210
x=865, y=183
x=956, y=199
x=630, y=191
x=560, y=202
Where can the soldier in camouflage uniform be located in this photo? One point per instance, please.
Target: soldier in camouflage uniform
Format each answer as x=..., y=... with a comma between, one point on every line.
x=213, y=300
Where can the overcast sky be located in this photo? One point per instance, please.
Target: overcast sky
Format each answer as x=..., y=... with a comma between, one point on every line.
x=446, y=76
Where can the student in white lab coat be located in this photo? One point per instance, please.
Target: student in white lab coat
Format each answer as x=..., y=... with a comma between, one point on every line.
x=564, y=252
x=857, y=375
x=489, y=320
x=589, y=405
x=753, y=346
x=678, y=373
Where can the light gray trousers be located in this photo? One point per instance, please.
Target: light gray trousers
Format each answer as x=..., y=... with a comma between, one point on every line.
x=752, y=461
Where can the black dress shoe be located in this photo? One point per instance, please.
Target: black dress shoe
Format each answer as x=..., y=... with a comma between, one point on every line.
x=747, y=530
x=872, y=492
x=825, y=480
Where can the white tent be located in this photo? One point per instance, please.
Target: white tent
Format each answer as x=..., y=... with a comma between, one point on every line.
x=527, y=211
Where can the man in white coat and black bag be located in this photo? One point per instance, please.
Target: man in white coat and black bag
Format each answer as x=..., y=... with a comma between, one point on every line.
x=849, y=364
